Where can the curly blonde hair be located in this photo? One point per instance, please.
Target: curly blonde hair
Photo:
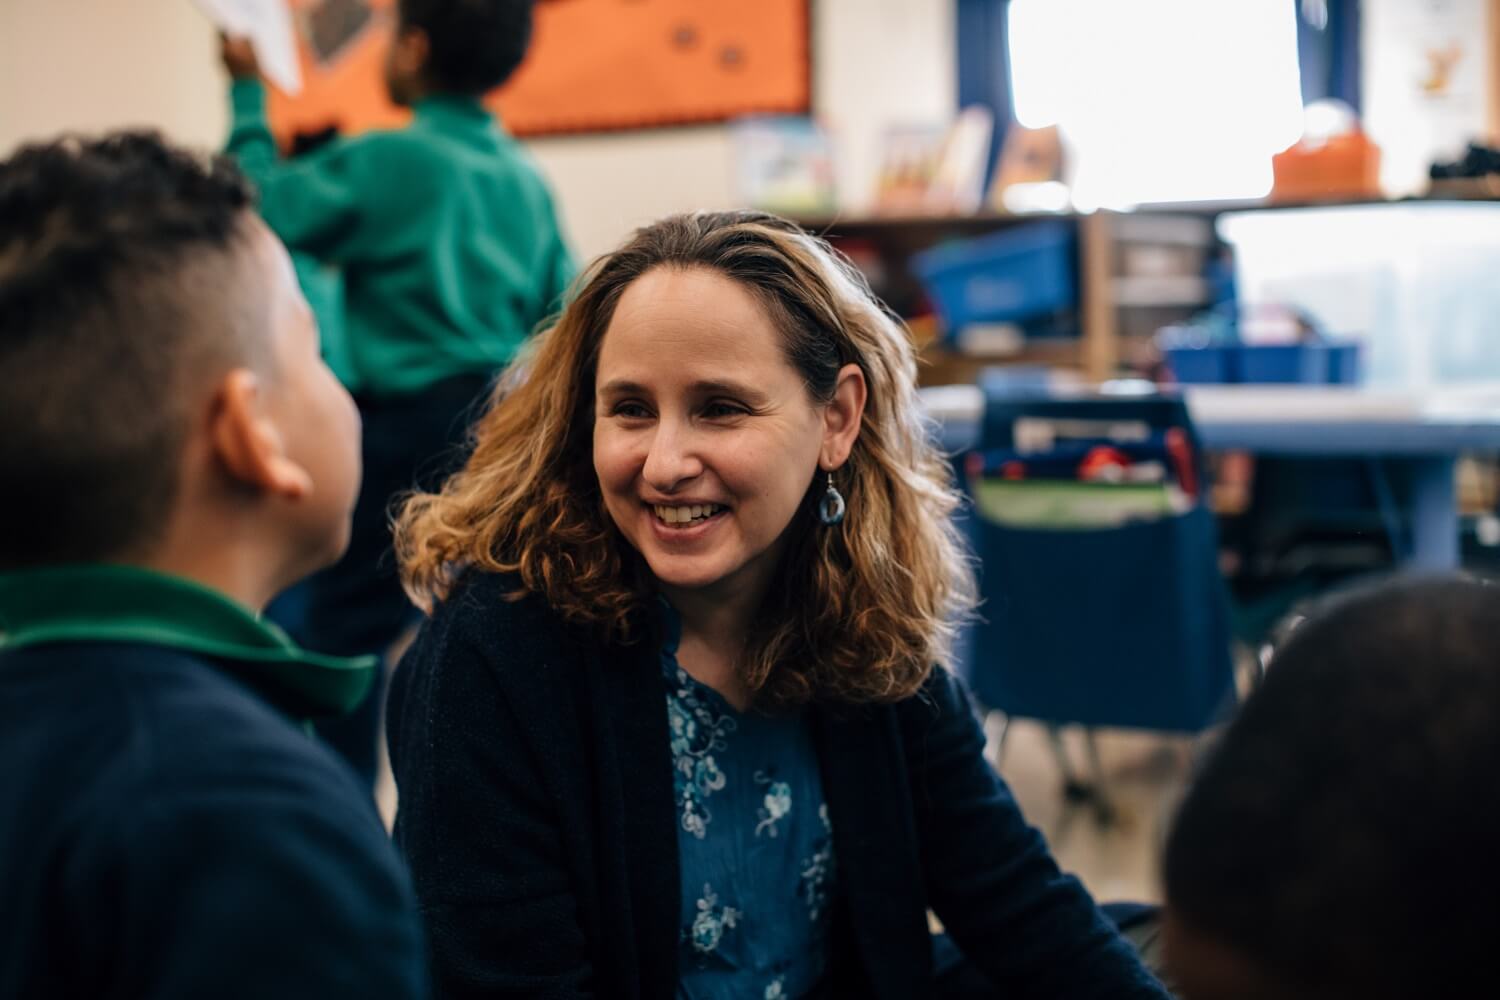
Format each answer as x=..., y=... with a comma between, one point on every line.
x=861, y=611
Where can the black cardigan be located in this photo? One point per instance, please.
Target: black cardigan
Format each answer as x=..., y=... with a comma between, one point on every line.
x=537, y=814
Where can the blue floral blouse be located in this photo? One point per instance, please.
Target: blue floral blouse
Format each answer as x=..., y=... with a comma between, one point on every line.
x=755, y=843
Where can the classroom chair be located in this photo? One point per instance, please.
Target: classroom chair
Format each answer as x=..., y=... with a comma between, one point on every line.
x=1123, y=626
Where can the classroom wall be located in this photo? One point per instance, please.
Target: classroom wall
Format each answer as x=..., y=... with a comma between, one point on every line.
x=1415, y=113
x=875, y=61
x=95, y=64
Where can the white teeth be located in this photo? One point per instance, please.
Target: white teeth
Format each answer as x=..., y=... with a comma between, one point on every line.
x=684, y=515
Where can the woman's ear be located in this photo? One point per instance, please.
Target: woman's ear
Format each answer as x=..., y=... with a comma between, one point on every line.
x=842, y=417
x=247, y=443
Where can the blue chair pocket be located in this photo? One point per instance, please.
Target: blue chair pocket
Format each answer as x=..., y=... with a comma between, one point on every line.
x=1124, y=626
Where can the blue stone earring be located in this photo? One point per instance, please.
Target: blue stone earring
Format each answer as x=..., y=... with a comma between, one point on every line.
x=831, y=507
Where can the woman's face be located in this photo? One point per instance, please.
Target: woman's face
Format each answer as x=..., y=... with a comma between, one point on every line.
x=705, y=437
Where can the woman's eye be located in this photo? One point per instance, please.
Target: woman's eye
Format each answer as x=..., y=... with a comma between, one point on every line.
x=722, y=408
x=631, y=410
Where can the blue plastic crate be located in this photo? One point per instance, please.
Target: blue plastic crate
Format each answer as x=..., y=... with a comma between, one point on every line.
x=1200, y=365
x=1300, y=363
x=1008, y=277
x=1343, y=362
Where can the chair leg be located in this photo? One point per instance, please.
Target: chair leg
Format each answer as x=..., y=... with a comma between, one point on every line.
x=1074, y=790
x=1077, y=791
x=1104, y=810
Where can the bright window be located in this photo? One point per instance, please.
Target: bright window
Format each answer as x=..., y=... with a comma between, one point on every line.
x=1160, y=100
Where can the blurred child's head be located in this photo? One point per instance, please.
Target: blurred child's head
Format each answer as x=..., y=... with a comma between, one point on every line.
x=1343, y=838
x=464, y=47
x=160, y=375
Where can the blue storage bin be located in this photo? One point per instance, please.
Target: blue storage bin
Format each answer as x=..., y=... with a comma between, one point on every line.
x=1301, y=363
x=1008, y=277
x=1199, y=365
x=1015, y=380
x=1343, y=362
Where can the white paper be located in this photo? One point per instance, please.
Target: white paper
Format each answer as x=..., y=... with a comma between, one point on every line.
x=268, y=25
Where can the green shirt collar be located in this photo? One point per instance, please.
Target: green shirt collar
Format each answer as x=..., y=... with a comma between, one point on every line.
x=455, y=111
x=99, y=603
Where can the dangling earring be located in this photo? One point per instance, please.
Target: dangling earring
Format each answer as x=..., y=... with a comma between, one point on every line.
x=831, y=507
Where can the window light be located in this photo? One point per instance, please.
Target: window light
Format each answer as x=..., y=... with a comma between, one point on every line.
x=1160, y=100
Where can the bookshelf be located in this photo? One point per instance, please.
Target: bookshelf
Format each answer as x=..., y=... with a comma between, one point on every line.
x=1129, y=283
x=1137, y=271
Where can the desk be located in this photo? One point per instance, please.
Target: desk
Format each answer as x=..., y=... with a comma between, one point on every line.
x=1417, y=435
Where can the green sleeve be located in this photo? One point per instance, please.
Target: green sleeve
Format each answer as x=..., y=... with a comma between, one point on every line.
x=314, y=203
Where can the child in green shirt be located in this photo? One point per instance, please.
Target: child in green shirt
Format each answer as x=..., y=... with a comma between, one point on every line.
x=450, y=254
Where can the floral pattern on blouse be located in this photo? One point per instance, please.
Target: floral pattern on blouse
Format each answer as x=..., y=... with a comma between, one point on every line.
x=699, y=730
x=775, y=806
x=754, y=845
x=817, y=871
x=711, y=922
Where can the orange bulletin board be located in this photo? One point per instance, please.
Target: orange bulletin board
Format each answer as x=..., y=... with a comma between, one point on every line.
x=594, y=65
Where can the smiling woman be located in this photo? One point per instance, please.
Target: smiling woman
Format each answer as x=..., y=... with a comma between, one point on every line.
x=704, y=462
x=721, y=359
x=675, y=729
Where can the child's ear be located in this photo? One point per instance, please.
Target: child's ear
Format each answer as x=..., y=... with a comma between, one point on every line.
x=409, y=52
x=247, y=443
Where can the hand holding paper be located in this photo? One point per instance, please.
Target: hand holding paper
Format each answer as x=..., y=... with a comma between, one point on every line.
x=258, y=38
x=238, y=56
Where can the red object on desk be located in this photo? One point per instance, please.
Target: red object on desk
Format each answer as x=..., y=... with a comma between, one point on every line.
x=1103, y=462
x=974, y=465
x=1181, y=454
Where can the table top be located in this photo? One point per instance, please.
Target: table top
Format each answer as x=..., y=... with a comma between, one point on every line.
x=1297, y=420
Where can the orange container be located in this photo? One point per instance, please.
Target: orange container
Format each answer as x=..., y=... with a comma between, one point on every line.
x=1345, y=167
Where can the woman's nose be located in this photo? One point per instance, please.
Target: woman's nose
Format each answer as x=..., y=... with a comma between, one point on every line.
x=673, y=458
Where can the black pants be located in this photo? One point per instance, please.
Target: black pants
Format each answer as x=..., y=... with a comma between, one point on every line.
x=357, y=606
